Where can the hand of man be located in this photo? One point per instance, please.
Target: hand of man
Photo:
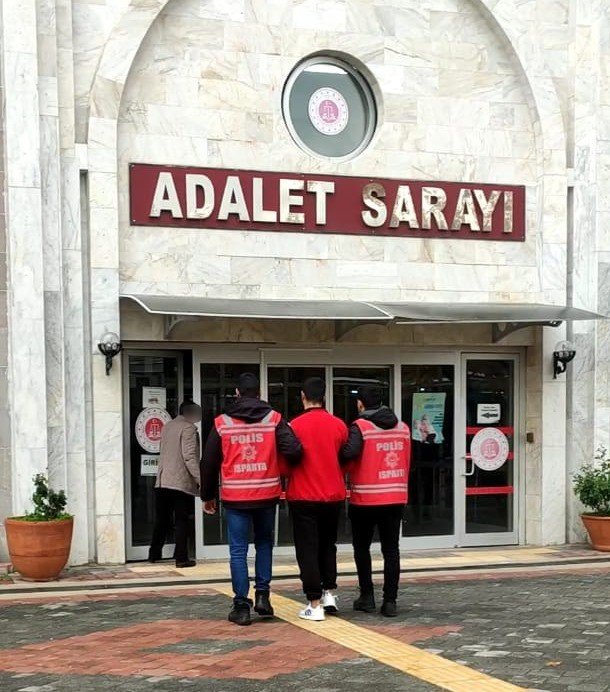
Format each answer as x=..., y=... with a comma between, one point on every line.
x=209, y=506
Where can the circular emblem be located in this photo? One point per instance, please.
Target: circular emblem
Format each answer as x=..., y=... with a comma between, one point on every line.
x=328, y=111
x=489, y=449
x=392, y=459
x=149, y=425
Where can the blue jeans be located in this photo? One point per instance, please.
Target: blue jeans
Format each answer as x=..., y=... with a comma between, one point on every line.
x=238, y=527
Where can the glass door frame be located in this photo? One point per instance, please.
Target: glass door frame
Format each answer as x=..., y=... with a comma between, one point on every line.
x=345, y=355
x=471, y=540
x=140, y=552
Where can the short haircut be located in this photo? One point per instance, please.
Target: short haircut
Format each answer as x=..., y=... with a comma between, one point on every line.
x=371, y=396
x=188, y=407
x=248, y=385
x=314, y=389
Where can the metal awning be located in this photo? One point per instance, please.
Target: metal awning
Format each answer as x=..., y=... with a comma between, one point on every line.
x=415, y=313
x=191, y=306
x=505, y=318
x=485, y=312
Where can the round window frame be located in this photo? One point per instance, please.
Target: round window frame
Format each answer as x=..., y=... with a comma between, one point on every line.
x=365, y=83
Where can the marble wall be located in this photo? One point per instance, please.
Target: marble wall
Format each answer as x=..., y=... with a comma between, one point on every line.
x=454, y=106
x=5, y=429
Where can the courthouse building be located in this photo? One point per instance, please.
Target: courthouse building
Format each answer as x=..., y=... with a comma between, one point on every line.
x=414, y=193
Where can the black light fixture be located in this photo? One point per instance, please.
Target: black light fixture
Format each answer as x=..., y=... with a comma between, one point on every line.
x=110, y=346
x=564, y=352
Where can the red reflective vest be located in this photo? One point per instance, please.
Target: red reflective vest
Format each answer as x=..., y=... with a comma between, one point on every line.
x=250, y=467
x=381, y=475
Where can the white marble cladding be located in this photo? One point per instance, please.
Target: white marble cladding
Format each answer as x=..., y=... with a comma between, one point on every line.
x=205, y=89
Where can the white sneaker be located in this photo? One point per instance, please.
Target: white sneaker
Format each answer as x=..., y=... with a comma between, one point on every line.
x=310, y=613
x=329, y=602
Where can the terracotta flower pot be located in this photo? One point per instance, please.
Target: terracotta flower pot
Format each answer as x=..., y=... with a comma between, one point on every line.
x=39, y=550
x=599, y=531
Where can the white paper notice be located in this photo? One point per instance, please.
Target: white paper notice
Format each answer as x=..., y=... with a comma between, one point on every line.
x=154, y=397
x=488, y=414
x=148, y=464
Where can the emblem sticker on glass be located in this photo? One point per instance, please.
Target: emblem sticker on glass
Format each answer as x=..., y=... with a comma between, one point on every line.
x=328, y=111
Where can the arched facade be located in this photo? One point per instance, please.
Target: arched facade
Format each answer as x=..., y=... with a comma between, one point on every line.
x=470, y=91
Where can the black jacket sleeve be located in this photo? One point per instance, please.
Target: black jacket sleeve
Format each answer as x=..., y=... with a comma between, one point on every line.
x=209, y=468
x=288, y=444
x=352, y=449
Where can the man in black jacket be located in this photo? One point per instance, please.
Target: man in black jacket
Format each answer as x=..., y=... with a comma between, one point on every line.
x=381, y=503
x=244, y=448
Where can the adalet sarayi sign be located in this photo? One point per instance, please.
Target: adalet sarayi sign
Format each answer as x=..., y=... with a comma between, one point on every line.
x=269, y=201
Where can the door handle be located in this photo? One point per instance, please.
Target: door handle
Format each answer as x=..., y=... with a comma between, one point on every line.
x=466, y=472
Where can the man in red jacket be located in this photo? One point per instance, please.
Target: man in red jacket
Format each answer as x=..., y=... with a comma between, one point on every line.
x=316, y=493
x=379, y=447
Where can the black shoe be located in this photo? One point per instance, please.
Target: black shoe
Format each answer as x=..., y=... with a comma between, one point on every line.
x=388, y=609
x=152, y=560
x=365, y=603
x=186, y=563
x=263, y=605
x=240, y=615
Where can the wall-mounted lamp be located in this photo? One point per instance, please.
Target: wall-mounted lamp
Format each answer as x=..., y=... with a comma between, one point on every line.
x=564, y=352
x=110, y=346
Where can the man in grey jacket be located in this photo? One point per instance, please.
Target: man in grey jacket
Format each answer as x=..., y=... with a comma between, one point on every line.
x=177, y=482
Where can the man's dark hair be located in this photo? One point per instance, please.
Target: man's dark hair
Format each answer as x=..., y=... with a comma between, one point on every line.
x=371, y=396
x=189, y=407
x=248, y=385
x=314, y=389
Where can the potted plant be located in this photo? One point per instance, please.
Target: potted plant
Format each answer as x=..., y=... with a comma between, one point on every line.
x=39, y=542
x=592, y=487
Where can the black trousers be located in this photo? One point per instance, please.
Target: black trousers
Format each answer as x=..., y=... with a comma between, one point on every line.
x=315, y=542
x=387, y=519
x=172, y=508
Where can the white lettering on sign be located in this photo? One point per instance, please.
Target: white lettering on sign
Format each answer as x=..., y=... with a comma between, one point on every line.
x=166, y=197
x=488, y=206
x=259, y=213
x=288, y=200
x=248, y=468
x=397, y=445
x=404, y=209
x=320, y=188
x=392, y=473
x=194, y=183
x=233, y=200
x=465, y=212
x=372, y=196
x=246, y=438
x=433, y=202
x=217, y=198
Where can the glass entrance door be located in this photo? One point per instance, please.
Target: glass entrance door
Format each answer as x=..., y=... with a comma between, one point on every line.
x=489, y=464
x=153, y=391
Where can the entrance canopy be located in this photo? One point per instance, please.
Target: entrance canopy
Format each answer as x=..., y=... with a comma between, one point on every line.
x=505, y=318
x=412, y=313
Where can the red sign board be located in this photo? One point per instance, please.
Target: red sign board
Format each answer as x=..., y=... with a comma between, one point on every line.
x=253, y=200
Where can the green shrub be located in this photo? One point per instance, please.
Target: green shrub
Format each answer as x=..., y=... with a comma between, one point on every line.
x=48, y=504
x=592, y=484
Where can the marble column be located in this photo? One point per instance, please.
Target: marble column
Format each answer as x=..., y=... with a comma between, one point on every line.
x=26, y=314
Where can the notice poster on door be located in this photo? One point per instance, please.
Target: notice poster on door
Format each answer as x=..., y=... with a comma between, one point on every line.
x=428, y=417
x=154, y=397
x=488, y=414
x=149, y=464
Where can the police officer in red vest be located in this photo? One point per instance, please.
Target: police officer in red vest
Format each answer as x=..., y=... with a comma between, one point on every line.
x=379, y=451
x=244, y=448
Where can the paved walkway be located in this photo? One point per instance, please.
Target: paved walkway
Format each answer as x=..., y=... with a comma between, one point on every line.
x=413, y=562
x=535, y=626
